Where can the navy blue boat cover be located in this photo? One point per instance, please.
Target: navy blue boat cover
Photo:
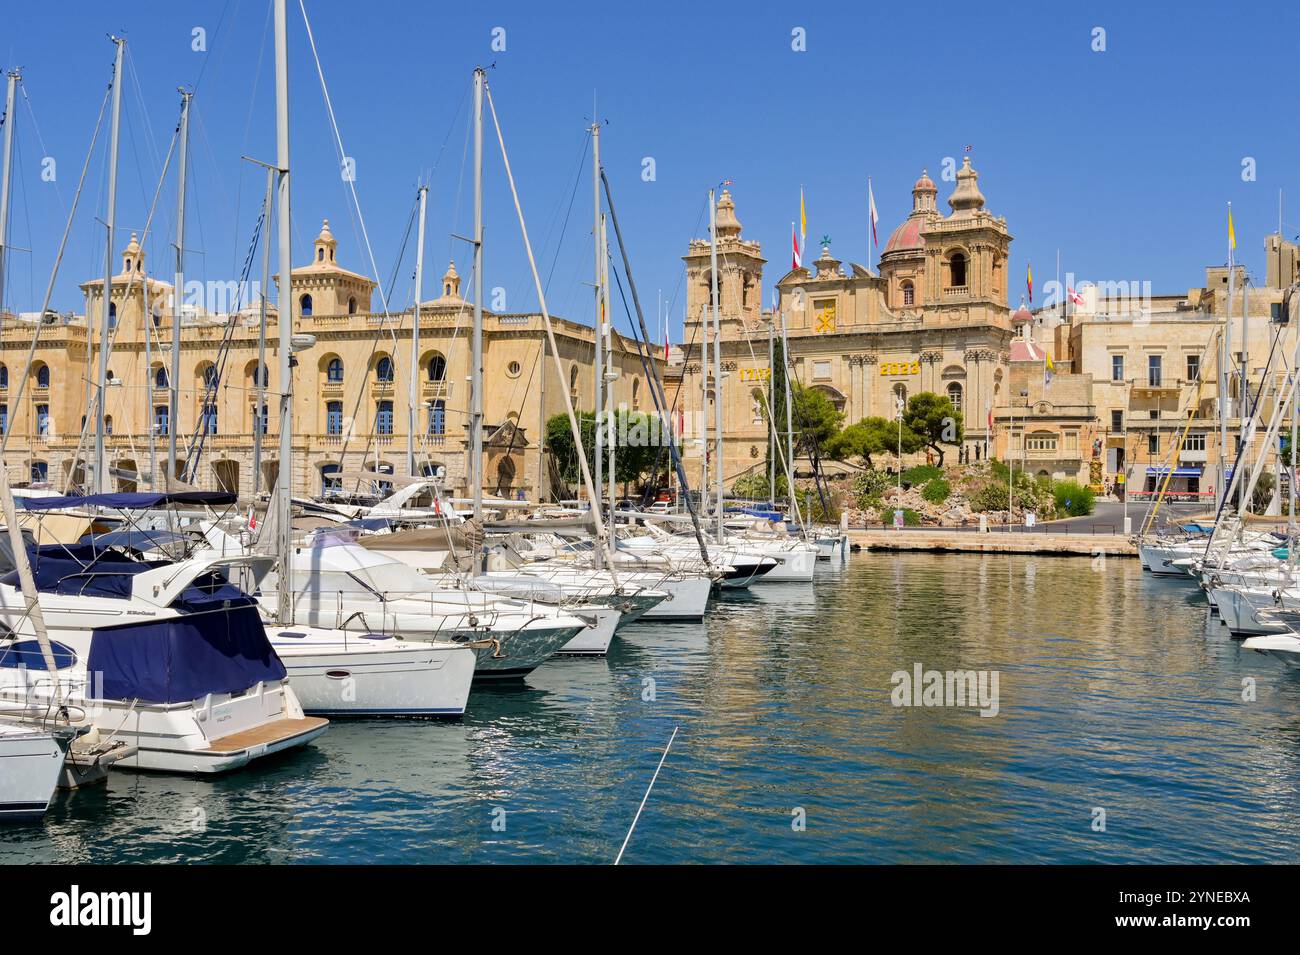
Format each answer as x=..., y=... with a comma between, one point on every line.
x=129, y=502
x=179, y=659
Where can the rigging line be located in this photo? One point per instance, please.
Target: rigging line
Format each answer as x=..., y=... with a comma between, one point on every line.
x=342, y=153
x=460, y=186
x=54, y=274
x=371, y=364
x=31, y=113
x=248, y=125
x=101, y=405
x=194, y=448
x=216, y=36
x=653, y=778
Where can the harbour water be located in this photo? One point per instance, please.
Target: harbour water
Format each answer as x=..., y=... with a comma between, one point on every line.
x=1116, y=692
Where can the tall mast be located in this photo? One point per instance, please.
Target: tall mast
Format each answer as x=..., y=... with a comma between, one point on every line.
x=789, y=411
x=1247, y=422
x=607, y=343
x=14, y=77
x=263, y=373
x=598, y=371
x=105, y=329
x=413, y=393
x=178, y=296
x=771, y=418
x=717, y=359
x=704, y=411
x=476, y=355
x=284, y=303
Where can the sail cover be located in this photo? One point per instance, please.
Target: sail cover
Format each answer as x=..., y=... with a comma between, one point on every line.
x=179, y=659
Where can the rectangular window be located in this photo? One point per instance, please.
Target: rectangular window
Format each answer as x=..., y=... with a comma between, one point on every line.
x=1153, y=370
x=260, y=421
x=1193, y=367
x=208, y=419
x=384, y=418
x=1071, y=439
x=1116, y=367
x=1117, y=420
x=4, y=418
x=1153, y=443
x=334, y=418
x=1194, y=442
x=161, y=420
x=438, y=417
x=42, y=419
x=1041, y=442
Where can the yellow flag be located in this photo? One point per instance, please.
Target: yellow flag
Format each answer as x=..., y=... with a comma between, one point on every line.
x=803, y=216
x=1232, y=233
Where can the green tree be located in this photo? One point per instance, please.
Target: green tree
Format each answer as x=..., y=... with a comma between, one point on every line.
x=934, y=418
x=872, y=436
x=816, y=419
x=637, y=441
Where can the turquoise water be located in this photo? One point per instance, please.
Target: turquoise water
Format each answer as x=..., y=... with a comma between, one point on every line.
x=1116, y=691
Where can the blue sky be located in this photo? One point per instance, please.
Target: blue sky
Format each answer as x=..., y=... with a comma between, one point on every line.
x=1123, y=160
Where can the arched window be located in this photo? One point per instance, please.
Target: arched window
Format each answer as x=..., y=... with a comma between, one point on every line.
x=636, y=393
x=505, y=475
x=384, y=369
x=909, y=293
x=42, y=376
x=334, y=371
x=304, y=305
x=108, y=424
x=573, y=381
x=437, y=368
x=4, y=376
x=112, y=315
x=957, y=270
x=40, y=472
x=954, y=394
x=384, y=417
x=265, y=375
x=334, y=417
x=438, y=417
x=210, y=376
x=352, y=304
x=320, y=255
x=160, y=377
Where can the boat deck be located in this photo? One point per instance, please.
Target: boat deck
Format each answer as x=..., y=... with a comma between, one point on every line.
x=266, y=734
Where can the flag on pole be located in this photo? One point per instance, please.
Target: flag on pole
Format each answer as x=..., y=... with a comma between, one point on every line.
x=797, y=261
x=665, y=342
x=1075, y=297
x=1029, y=281
x=1049, y=369
x=875, y=217
x=1232, y=232
x=803, y=219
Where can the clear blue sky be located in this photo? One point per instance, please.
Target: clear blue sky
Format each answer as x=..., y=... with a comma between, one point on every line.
x=1123, y=160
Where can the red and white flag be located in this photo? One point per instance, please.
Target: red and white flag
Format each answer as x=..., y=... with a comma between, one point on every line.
x=252, y=519
x=798, y=256
x=665, y=342
x=875, y=217
x=1075, y=297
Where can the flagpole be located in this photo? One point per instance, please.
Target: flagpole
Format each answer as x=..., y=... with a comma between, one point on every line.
x=870, y=225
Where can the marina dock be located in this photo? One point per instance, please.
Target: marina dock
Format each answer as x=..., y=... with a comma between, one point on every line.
x=945, y=541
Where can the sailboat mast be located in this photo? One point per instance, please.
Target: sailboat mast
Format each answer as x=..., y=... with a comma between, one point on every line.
x=105, y=328
x=717, y=359
x=178, y=296
x=284, y=307
x=412, y=395
x=598, y=276
x=789, y=410
x=262, y=371
x=27, y=584
x=771, y=418
x=607, y=343
x=476, y=356
x=5, y=176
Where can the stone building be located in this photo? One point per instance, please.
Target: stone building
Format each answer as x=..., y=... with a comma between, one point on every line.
x=351, y=383
x=933, y=318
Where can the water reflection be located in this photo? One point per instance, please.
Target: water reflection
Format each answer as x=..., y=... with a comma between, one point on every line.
x=1117, y=691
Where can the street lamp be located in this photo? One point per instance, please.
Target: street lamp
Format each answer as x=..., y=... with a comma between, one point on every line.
x=898, y=404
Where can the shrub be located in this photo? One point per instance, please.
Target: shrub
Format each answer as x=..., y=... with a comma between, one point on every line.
x=1073, y=498
x=989, y=497
x=869, y=485
x=936, y=490
x=921, y=473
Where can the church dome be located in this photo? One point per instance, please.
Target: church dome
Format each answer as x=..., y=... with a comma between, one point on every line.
x=906, y=237
x=925, y=183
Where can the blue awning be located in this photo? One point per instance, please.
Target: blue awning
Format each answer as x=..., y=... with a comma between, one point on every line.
x=129, y=502
x=1178, y=472
x=133, y=540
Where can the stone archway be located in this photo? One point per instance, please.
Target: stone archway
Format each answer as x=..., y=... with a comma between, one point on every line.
x=227, y=475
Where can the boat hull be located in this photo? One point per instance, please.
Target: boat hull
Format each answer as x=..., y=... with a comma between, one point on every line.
x=30, y=764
